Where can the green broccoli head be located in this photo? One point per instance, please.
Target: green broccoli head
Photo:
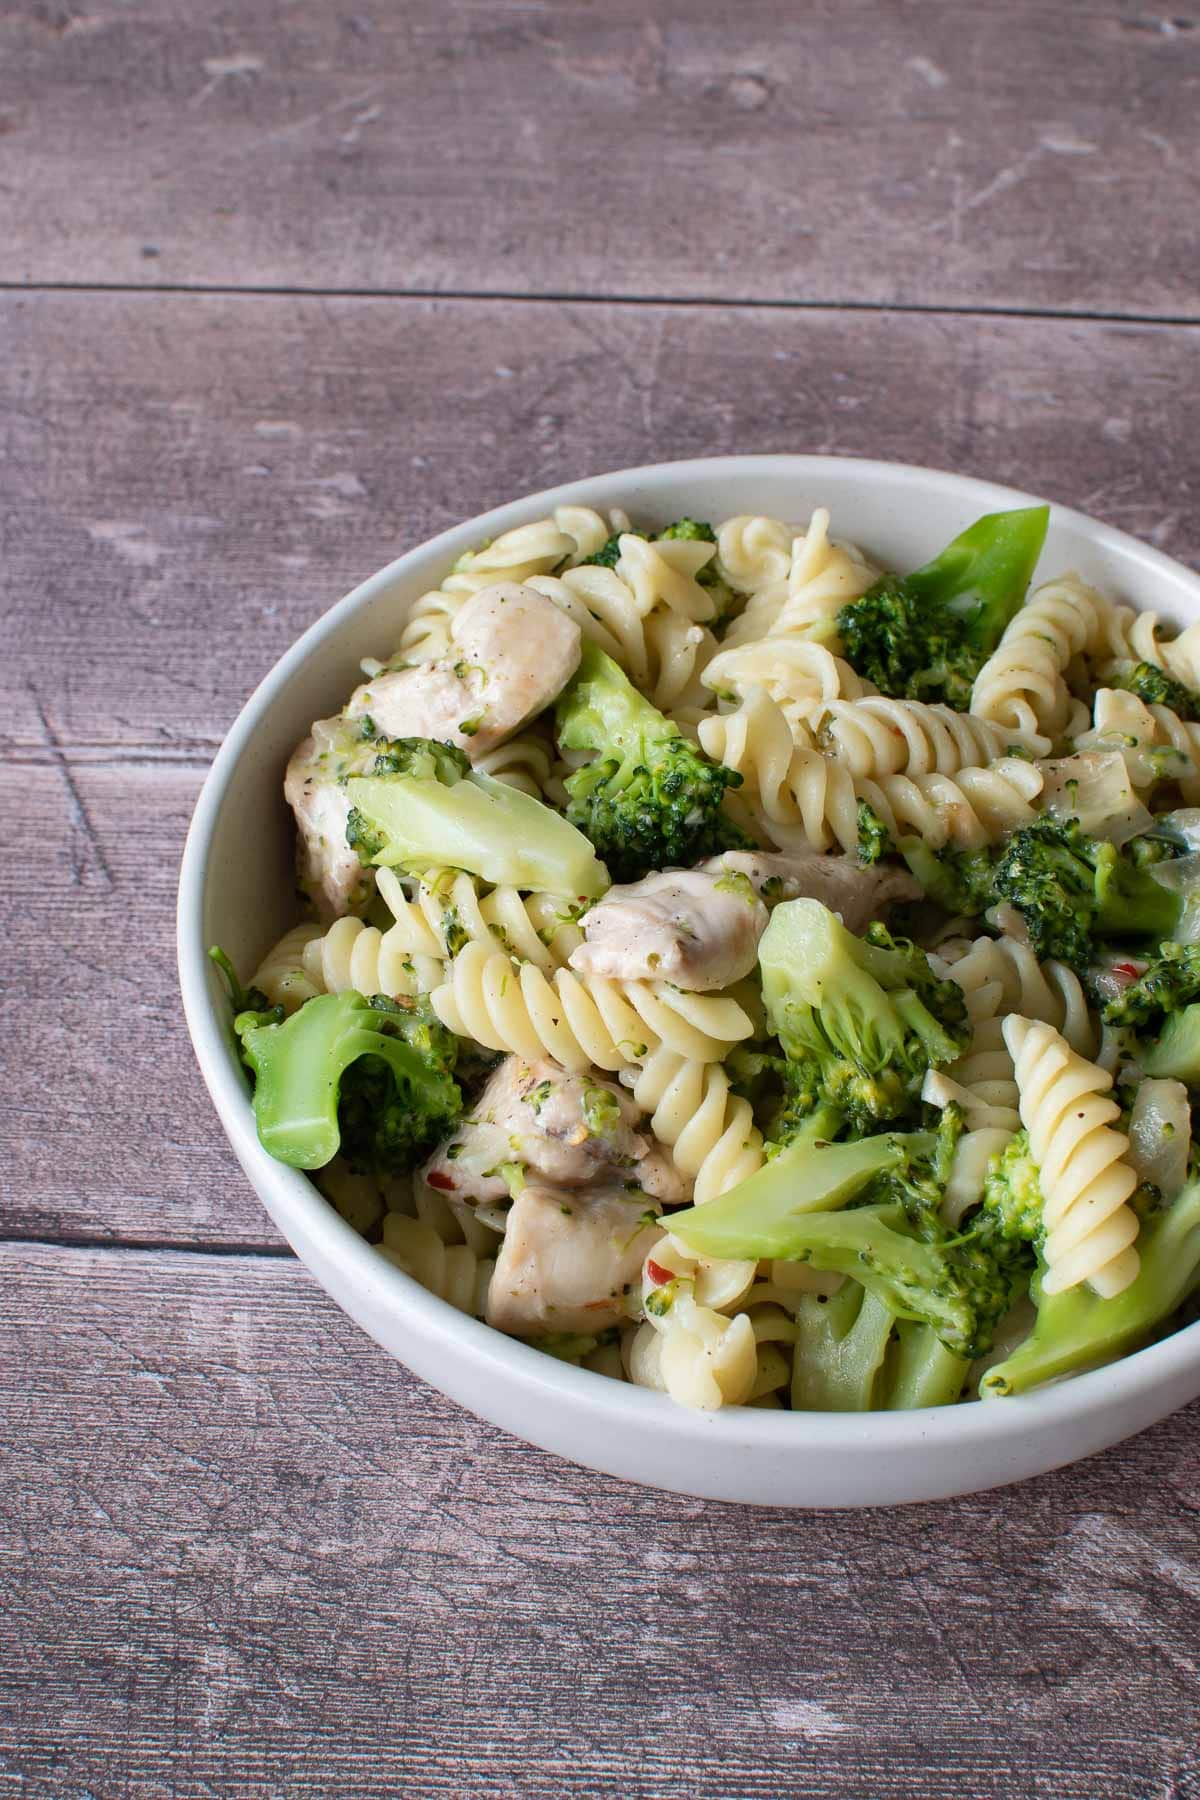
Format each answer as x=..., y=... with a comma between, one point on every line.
x=609, y=553
x=1161, y=1011
x=892, y=639
x=424, y=759
x=834, y=1206
x=422, y=807
x=648, y=799
x=1076, y=1329
x=862, y=1020
x=961, y=881
x=874, y=839
x=1155, y=687
x=1073, y=890
x=926, y=635
x=371, y=1077
x=1013, y=1206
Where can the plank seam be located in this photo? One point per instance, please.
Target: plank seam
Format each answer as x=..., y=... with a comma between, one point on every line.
x=919, y=308
x=262, y=1252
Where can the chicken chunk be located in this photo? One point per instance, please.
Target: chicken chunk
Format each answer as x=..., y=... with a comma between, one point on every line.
x=857, y=892
x=568, y=1259
x=328, y=868
x=697, y=929
x=511, y=653
x=562, y=1128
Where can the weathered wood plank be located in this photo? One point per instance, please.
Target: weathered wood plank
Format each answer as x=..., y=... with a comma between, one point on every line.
x=108, y=1131
x=245, y=1554
x=1031, y=155
x=189, y=481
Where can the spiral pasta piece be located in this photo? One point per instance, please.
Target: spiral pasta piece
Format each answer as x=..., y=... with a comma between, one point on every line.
x=352, y=955
x=580, y=1021
x=801, y=799
x=1130, y=636
x=803, y=678
x=754, y=551
x=1023, y=684
x=1083, y=1166
x=525, y=762
x=822, y=577
x=999, y=976
x=709, y=1130
x=879, y=736
x=661, y=572
x=281, y=975
x=690, y=1345
x=454, y=1272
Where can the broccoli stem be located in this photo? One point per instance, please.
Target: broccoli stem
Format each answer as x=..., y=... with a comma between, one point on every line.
x=1077, y=1330
x=982, y=576
x=841, y=1346
x=478, y=824
x=765, y=1215
x=921, y=1370
x=1175, y=1053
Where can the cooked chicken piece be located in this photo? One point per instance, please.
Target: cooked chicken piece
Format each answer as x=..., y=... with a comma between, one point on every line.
x=695, y=929
x=857, y=892
x=511, y=653
x=328, y=868
x=568, y=1259
x=432, y=700
x=563, y=1128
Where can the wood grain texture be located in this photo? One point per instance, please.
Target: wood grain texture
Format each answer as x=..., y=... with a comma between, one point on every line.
x=246, y=1555
x=108, y=1130
x=188, y=482
x=1011, y=153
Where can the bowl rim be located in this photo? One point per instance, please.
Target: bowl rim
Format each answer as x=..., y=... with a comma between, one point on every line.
x=311, y=1225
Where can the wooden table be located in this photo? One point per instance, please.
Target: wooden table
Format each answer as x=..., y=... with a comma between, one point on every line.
x=286, y=288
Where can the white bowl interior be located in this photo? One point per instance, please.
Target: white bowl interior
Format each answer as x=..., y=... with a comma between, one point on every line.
x=236, y=889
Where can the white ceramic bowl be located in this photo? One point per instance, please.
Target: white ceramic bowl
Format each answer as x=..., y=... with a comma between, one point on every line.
x=236, y=890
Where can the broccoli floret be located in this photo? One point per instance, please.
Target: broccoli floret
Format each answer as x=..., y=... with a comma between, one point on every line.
x=1155, y=687
x=609, y=553
x=961, y=881
x=1168, y=984
x=874, y=839
x=1013, y=1206
x=927, y=635
x=424, y=807
x=649, y=799
x=1161, y=1011
x=694, y=530
x=1072, y=889
x=861, y=1020
x=370, y=1077
x=1077, y=1330
x=795, y=1208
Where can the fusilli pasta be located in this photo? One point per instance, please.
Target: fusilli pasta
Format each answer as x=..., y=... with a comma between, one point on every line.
x=1023, y=684
x=802, y=799
x=1082, y=1162
x=877, y=736
x=580, y=1021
